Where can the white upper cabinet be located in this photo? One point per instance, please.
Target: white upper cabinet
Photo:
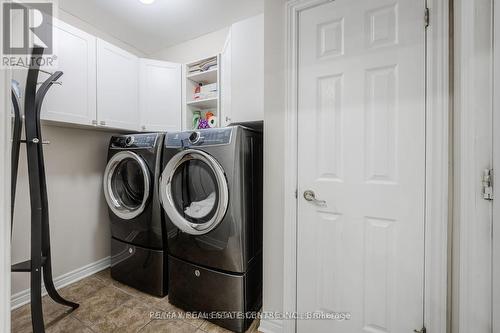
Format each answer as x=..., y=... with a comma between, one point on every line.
x=117, y=87
x=160, y=95
x=74, y=100
x=247, y=70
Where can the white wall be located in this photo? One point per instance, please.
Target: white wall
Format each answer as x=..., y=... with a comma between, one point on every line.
x=274, y=113
x=79, y=225
x=192, y=50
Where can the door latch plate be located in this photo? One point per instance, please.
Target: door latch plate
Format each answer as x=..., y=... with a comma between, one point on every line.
x=487, y=183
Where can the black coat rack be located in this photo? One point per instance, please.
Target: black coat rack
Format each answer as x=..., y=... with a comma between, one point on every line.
x=40, y=233
x=17, y=128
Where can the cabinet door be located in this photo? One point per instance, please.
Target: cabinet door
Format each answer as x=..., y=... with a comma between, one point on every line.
x=247, y=69
x=74, y=100
x=117, y=87
x=225, y=78
x=160, y=95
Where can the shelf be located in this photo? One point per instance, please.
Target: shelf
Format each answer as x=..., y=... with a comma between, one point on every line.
x=209, y=76
x=203, y=104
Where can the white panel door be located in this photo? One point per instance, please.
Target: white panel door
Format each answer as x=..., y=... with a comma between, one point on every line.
x=74, y=101
x=361, y=136
x=117, y=87
x=160, y=95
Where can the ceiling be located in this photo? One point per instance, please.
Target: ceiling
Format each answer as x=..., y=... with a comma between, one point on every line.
x=150, y=28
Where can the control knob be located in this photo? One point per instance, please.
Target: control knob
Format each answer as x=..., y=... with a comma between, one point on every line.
x=129, y=141
x=194, y=137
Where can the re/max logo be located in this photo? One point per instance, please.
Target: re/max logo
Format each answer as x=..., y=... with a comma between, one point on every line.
x=26, y=25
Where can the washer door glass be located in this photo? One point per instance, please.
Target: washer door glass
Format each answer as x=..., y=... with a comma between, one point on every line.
x=194, y=192
x=126, y=184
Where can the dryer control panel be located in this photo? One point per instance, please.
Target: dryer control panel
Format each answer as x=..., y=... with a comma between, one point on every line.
x=134, y=141
x=201, y=137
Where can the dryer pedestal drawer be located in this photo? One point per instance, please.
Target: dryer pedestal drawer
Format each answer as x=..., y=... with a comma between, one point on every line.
x=197, y=289
x=138, y=267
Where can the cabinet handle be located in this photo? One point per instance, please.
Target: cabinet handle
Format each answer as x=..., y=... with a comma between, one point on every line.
x=103, y=123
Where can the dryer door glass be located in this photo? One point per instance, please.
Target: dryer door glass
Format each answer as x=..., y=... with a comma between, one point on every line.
x=126, y=185
x=194, y=191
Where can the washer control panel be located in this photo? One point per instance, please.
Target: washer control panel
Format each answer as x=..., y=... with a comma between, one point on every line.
x=134, y=141
x=202, y=137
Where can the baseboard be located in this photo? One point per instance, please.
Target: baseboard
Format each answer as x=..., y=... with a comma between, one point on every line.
x=271, y=326
x=23, y=297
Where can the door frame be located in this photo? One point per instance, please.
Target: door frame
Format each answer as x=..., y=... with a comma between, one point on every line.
x=496, y=170
x=437, y=163
x=5, y=201
x=5, y=139
x=472, y=297
x=5, y=217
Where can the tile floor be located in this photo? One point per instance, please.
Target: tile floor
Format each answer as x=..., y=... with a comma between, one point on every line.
x=109, y=306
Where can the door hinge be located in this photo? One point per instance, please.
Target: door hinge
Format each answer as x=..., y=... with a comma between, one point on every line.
x=427, y=17
x=422, y=330
x=487, y=183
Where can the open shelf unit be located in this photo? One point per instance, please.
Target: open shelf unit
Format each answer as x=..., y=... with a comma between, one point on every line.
x=209, y=99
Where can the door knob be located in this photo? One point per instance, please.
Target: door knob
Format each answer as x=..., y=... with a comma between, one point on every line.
x=311, y=197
